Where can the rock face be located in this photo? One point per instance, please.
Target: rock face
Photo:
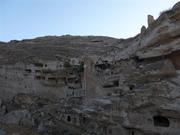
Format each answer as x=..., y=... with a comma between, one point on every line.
x=74, y=85
x=150, y=20
x=177, y=5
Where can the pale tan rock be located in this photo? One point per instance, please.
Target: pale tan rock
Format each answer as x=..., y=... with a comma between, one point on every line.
x=143, y=30
x=150, y=20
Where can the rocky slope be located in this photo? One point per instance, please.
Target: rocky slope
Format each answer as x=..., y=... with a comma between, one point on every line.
x=53, y=48
x=74, y=85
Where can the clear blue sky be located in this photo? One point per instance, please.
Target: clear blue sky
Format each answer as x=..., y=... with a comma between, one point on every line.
x=20, y=19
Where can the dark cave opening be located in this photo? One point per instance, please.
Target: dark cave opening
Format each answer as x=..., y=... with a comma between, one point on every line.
x=161, y=121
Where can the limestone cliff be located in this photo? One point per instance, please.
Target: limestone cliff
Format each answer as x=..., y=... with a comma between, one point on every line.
x=94, y=85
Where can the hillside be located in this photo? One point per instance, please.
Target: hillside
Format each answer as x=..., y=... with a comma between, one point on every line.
x=94, y=85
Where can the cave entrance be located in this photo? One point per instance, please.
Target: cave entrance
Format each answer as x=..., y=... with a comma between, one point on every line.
x=68, y=118
x=161, y=121
x=116, y=83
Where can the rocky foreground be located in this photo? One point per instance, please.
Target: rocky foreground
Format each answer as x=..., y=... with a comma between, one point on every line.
x=72, y=85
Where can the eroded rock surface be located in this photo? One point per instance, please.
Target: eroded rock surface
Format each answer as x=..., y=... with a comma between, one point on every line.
x=72, y=85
